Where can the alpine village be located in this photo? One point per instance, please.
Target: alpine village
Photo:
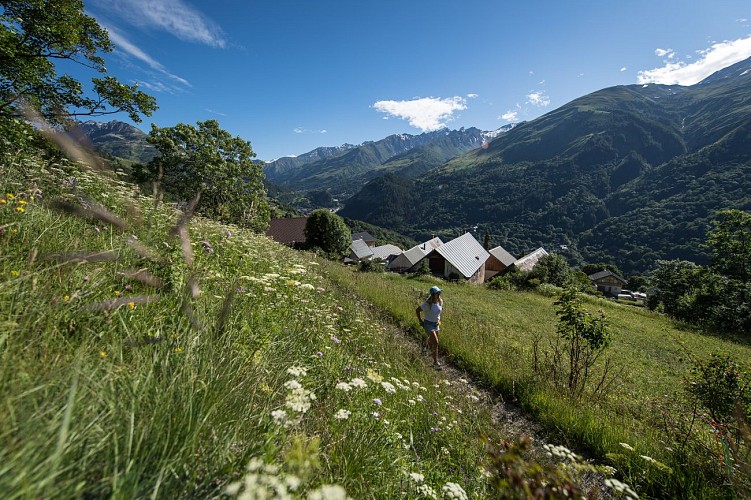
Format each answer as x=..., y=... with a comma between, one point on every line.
x=181, y=320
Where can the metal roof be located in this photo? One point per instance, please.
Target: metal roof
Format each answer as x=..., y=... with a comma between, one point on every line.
x=289, y=230
x=529, y=261
x=360, y=249
x=385, y=251
x=415, y=254
x=465, y=253
x=363, y=235
x=502, y=255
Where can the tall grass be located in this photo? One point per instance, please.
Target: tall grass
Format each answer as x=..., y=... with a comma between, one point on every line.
x=491, y=334
x=112, y=384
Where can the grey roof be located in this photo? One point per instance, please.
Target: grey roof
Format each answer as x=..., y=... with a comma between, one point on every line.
x=385, y=251
x=360, y=249
x=465, y=253
x=502, y=255
x=363, y=235
x=415, y=254
x=604, y=274
x=529, y=261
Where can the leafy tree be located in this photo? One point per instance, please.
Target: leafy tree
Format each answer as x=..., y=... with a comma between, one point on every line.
x=730, y=242
x=596, y=267
x=328, y=232
x=552, y=269
x=34, y=34
x=208, y=160
x=585, y=337
x=486, y=240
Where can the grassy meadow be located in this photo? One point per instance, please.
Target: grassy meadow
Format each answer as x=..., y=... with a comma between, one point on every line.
x=634, y=426
x=145, y=356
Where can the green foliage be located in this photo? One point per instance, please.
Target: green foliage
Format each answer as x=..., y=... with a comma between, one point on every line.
x=552, y=269
x=372, y=266
x=328, y=232
x=585, y=337
x=730, y=242
x=721, y=386
x=33, y=36
x=593, y=268
x=206, y=161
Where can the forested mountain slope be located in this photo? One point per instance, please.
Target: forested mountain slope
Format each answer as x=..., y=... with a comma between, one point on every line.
x=629, y=174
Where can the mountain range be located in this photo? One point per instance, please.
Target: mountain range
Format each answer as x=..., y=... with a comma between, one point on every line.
x=346, y=169
x=117, y=139
x=628, y=174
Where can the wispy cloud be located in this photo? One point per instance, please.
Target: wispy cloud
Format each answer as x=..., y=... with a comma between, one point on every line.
x=623, y=69
x=425, y=113
x=538, y=98
x=215, y=112
x=173, y=16
x=134, y=51
x=300, y=130
x=669, y=53
x=718, y=56
x=472, y=96
x=509, y=116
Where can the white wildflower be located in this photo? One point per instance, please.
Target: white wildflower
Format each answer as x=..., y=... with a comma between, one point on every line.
x=292, y=385
x=622, y=488
x=328, y=492
x=279, y=416
x=627, y=446
x=358, y=382
x=297, y=371
x=343, y=386
x=453, y=490
x=342, y=414
x=416, y=477
x=388, y=387
x=426, y=491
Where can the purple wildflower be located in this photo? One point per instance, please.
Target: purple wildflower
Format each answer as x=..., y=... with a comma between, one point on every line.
x=335, y=340
x=319, y=354
x=377, y=401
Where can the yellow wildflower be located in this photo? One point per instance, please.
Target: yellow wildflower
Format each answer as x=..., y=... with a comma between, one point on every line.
x=20, y=210
x=3, y=202
x=178, y=349
x=66, y=298
x=22, y=202
x=102, y=354
x=118, y=293
x=14, y=273
x=131, y=305
x=10, y=196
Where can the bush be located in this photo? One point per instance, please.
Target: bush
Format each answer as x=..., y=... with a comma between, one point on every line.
x=372, y=266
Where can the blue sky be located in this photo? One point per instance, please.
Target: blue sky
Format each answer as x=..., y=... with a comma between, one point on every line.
x=290, y=76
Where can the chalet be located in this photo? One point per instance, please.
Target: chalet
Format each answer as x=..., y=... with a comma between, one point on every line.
x=386, y=252
x=359, y=250
x=607, y=282
x=288, y=231
x=366, y=237
x=461, y=258
x=529, y=261
x=408, y=261
x=498, y=261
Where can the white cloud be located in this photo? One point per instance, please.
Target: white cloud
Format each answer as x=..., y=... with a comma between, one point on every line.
x=509, y=116
x=131, y=49
x=174, y=16
x=472, y=96
x=300, y=130
x=215, y=112
x=664, y=52
x=425, y=113
x=623, y=69
x=718, y=56
x=538, y=98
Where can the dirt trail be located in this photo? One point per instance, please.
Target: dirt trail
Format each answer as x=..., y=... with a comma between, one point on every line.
x=513, y=423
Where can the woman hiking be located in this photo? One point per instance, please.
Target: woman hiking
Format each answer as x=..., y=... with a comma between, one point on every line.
x=432, y=308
